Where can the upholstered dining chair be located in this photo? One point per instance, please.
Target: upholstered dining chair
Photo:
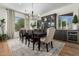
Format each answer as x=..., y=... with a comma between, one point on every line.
x=49, y=38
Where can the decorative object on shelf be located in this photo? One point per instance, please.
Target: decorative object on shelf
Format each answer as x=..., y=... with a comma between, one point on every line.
x=45, y=19
x=52, y=17
x=75, y=22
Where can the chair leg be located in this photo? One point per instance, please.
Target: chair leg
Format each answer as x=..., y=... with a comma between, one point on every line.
x=33, y=44
x=28, y=42
x=47, y=47
x=39, y=45
x=51, y=44
x=22, y=39
x=25, y=41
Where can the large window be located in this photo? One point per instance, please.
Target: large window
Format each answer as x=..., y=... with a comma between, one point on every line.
x=65, y=22
x=19, y=23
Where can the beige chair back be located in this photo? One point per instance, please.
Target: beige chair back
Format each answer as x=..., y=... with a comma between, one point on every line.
x=50, y=34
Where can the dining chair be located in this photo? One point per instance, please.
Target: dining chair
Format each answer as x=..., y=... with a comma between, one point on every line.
x=26, y=38
x=34, y=39
x=29, y=37
x=49, y=38
x=22, y=33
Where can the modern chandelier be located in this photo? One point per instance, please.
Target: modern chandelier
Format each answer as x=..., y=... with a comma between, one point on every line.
x=32, y=10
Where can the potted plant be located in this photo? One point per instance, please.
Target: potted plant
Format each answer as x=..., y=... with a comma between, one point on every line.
x=3, y=36
x=33, y=25
x=75, y=22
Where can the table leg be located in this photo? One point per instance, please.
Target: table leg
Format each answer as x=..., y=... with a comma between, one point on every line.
x=39, y=44
x=47, y=47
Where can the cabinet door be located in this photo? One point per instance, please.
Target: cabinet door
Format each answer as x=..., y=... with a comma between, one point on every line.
x=72, y=36
x=61, y=35
x=64, y=34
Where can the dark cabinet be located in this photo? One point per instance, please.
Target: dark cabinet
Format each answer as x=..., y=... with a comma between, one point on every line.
x=60, y=35
x=72, y=35
x=67, y=35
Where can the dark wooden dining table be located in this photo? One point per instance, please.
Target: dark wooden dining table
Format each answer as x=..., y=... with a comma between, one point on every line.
x=36, y=35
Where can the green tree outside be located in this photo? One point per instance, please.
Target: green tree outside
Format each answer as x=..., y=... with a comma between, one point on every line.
x=19, y=24
x=63, y=23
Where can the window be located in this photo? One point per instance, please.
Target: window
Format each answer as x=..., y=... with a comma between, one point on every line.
x=65, y=22
x=19, y=23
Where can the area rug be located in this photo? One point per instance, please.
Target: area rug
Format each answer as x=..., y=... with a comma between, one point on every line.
x=20, y=49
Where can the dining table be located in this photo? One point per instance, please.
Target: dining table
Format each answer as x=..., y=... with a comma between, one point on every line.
x=36, y=35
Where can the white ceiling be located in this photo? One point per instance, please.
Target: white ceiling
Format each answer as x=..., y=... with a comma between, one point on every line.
x=39, y=8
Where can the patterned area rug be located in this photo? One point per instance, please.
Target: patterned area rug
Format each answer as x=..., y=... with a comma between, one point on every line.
x=20, y=49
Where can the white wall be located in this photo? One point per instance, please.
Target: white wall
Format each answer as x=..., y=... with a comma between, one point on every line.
x=66, y=9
